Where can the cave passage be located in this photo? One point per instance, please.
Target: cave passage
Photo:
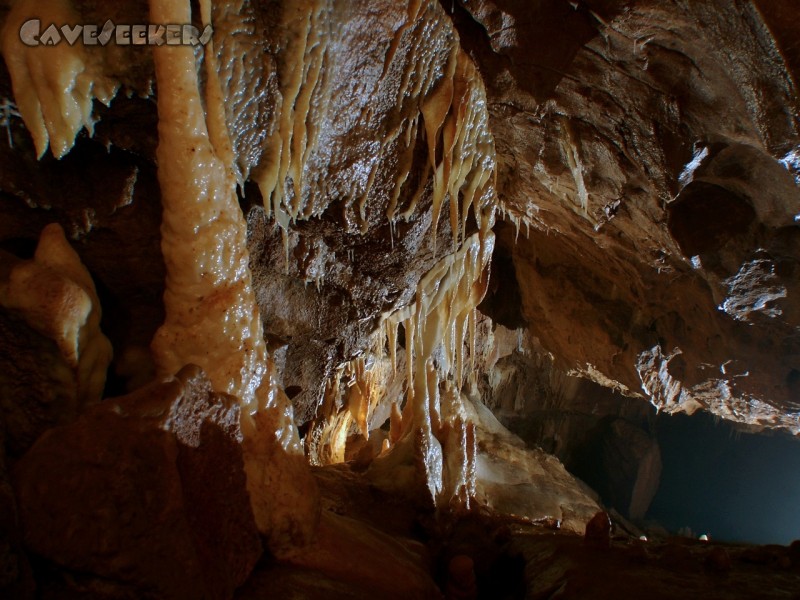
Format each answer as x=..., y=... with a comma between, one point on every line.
x=732, y=486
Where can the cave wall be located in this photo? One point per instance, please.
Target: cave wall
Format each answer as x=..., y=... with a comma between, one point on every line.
x=645, y=154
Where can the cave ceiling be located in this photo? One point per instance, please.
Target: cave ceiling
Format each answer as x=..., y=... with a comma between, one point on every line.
x=646, y=167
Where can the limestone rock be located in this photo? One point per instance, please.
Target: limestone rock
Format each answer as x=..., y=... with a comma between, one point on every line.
x=617, y=129
x=647, y=161
x=37, y=391
x=598, y=530
x=651, y=177
x=54, y=352
x=146, y=492
x=528, y=483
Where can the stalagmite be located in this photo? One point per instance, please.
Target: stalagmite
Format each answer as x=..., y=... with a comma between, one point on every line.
x=55, y=295
x=211, y=314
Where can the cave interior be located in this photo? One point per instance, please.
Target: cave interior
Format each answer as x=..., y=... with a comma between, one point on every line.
x=351, y=299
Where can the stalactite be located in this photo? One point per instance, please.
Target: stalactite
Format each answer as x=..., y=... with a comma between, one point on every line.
x=352, y=395
x=460, y=149
x=440, y=324
x=433, y=436
x=280, y=174
x=444, y=102
x=211, y=315
x=446, y=297
x=54, y=85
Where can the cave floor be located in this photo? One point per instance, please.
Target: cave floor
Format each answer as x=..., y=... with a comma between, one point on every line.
x=396, y=549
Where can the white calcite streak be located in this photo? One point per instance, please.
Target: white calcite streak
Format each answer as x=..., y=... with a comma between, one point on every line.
x=212, y=318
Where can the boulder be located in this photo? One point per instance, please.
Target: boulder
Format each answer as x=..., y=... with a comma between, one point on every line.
x=146, y=492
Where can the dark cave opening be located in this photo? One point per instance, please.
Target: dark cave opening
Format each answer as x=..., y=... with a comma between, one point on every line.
x=677, y=474
x=732, y=486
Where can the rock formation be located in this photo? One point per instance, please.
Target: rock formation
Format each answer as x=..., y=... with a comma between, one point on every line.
x=288, y=283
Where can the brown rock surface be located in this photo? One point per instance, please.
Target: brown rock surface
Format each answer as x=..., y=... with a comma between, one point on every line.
x=599, y=435
x=16, y=578
x=346, y=264
x=598, y=530
x=528, y=483
x=37, y=388
x=367, y=546
x=146, y=492
x=564, y=567
x=597, y=118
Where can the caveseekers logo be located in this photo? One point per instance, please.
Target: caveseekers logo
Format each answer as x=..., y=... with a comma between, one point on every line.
x=31, y=34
